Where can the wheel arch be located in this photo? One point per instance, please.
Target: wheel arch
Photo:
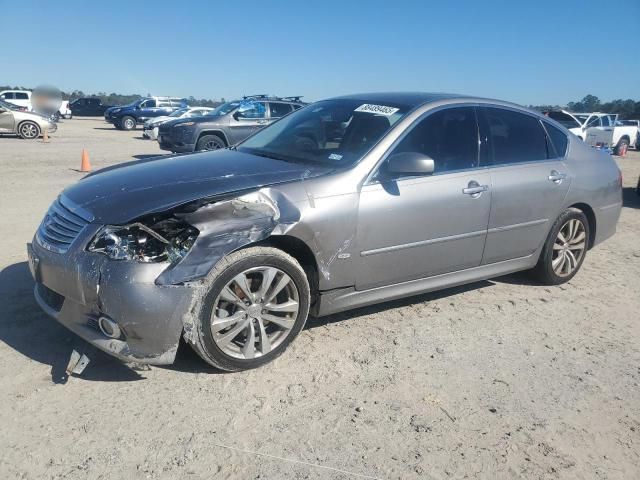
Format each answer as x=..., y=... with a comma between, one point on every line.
x=591, y=218
x=303, y=254
x=218, y=133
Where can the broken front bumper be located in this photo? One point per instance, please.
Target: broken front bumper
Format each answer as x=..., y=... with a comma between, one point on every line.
x=77, y=288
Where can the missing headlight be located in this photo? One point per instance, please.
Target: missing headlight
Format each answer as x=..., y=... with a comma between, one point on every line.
x=166, y=240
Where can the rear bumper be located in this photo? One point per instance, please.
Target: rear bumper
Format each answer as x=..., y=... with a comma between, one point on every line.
x=78, y=287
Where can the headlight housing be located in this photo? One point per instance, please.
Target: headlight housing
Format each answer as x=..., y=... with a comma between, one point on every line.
x=168, y=241
x=184, y=124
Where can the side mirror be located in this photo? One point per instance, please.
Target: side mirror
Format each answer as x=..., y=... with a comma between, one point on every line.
x=410, y=163
x=235, y=115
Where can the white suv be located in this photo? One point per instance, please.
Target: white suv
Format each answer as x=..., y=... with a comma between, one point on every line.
x=22, y=98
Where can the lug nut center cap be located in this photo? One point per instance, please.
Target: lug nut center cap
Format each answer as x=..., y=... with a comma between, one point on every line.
x=254, y=310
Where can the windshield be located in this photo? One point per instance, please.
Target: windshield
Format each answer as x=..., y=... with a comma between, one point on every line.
x=331, y=132
x=8, y=106
x=565, y=120
x=179, y=113
x=224, y=108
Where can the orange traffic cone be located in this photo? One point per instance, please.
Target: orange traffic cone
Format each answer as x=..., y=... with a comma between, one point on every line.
x=85, y=166
x=45, y=136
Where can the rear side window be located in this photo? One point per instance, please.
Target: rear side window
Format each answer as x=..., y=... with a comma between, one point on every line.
x=8, y=96
x=279, y=109
x=21, y=96
x=513, y=137
x=449, y=137
x=558, y=139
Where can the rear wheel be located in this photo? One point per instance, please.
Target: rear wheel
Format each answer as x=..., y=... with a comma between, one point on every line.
x=210, y=142
x=28, y=130
x=257, y=304
x=128, y=123
x=564, y=249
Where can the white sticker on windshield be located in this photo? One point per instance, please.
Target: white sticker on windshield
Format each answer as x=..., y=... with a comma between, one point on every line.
x=377, y=109
x=335, y=156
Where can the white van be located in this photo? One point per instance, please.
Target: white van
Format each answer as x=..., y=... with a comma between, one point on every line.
x=22, y=98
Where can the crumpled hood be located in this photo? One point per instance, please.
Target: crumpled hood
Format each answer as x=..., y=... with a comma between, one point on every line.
x=123, y=193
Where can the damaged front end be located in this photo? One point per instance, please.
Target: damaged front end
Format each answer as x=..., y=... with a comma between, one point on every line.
x=145, y=280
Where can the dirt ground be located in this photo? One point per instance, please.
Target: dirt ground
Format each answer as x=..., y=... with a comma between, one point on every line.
x=499, y=379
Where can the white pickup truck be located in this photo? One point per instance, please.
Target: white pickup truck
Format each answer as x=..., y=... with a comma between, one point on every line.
x=599, y=128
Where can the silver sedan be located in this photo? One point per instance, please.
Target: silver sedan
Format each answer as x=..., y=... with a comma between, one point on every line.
x=344, y=203
x=27, y=125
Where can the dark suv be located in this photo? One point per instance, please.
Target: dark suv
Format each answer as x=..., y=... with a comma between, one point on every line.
x=128, y=116
x=228, y=124
x=88, y=107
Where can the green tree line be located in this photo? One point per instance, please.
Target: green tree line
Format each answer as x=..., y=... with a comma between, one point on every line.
x=626, y=109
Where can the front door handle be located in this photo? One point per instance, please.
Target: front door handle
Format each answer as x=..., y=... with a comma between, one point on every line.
x=474, y=189
x=557, y=177
x=262, y=122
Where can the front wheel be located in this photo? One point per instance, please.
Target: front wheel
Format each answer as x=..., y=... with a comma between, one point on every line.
x=29, y=130
x=128, y=123
x=564, y=249
x=210, y=142
x=257, y=304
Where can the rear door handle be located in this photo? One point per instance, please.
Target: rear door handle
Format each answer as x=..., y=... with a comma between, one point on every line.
x=557, y=177
x=475, y=189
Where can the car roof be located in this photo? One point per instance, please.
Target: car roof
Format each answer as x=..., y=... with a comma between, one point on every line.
x=416, y=99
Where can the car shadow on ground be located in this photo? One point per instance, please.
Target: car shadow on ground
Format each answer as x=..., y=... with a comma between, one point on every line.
x=630, y=197
x=314, y=322
x=26, y=329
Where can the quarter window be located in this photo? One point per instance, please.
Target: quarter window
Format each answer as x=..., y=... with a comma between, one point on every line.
x=449, y=137
x=558, y=139
x=513, y=137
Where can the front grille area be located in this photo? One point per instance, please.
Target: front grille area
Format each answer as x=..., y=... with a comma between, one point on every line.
x=60, y=227
x=52, y=299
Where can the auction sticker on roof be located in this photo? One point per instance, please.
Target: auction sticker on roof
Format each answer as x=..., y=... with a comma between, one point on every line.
x=377, y=109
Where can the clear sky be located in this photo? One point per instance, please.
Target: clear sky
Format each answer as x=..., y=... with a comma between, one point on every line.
x=529, y=52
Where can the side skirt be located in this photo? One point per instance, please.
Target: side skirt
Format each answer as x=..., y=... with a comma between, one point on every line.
x=339, y=300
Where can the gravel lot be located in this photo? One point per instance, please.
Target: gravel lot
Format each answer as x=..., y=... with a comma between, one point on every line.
x=499, y=379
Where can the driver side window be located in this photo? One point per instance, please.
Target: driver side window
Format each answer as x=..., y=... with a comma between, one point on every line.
x=148, y=104
x=449, y=137
x=252, y=110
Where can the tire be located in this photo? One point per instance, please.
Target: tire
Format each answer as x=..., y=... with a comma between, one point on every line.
x=228, y=347
x=128, y=123
x=210, y=142
x=622, y=146
x=28, y=130
x=550, y=269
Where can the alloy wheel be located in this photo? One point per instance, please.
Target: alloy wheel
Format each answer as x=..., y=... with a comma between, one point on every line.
x=254, y=312
x=212, y=145
x=28, y=130
x=569, y=247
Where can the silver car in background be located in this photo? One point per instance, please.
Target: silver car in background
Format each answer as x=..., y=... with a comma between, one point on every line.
x=151, y=126
x=27, y=125
x=344, y=203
